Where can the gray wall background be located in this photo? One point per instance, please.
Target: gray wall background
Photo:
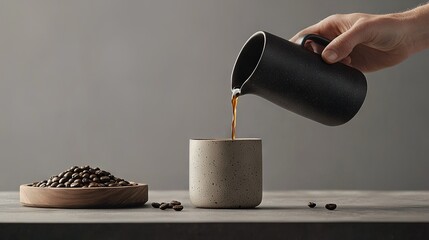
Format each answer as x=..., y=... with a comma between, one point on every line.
x=124, y=85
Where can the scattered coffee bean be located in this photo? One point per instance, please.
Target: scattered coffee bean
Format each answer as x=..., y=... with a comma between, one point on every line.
x=331, y=206
x=312, y=204
x=178, y=207
x=163, y=206
x=83, y=176
x=156, y=205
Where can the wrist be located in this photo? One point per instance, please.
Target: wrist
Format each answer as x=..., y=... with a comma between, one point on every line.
x=416, y=30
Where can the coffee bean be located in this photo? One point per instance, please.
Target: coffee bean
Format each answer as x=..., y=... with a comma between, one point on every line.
x=156, y=205
x=48, y=182
x=56, y=179
x=331, y=206
x=104, y=179
x=92, y=176
x=76, y=185
x=60, y=185
x=122, y=183
x=178, y=207
x=85, y=175
x=75, y=175
x=85, y=180
x=112, y=185
x=96, y=179
x=54, y=184
x=67, y=184
x=61, y=174
x=93, y=184
x=174, y=202
x=163, y=206
x=312, y=204
x=68, y=175
x=78, y=180
x=42, y=185
x=63, y=180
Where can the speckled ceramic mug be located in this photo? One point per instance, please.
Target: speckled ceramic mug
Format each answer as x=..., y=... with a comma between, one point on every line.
x=225, y=173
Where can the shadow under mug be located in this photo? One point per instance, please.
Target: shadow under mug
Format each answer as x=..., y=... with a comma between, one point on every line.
x=225, y=173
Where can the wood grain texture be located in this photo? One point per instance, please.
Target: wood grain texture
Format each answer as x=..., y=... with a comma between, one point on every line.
x=99, y=197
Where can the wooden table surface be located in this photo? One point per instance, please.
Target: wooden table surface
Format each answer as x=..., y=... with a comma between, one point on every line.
x=282, y=215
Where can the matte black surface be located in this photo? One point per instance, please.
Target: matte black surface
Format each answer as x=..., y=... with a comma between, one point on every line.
x=299, y=80
x=303, y=231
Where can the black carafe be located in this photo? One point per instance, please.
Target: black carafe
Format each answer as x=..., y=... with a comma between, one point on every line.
x=298, y=79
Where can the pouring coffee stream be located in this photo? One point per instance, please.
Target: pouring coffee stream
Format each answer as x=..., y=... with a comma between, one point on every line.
x=297, y=79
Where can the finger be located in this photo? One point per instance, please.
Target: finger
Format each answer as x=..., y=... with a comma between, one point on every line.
x=298, y=37
x=347, y=61
x=343, y=45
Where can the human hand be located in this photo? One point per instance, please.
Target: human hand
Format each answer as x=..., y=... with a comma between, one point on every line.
x=371, y=42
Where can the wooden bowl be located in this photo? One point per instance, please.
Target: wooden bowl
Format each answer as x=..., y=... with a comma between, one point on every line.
x=97, y=197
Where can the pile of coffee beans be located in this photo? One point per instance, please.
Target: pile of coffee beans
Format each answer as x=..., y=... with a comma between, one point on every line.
x=329, y=206
x=82, y=177
x=176, y=205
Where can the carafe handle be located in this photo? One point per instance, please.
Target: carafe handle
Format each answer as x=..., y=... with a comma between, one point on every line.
x=315, y=38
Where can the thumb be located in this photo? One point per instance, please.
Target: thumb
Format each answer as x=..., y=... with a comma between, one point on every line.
x=343, y=45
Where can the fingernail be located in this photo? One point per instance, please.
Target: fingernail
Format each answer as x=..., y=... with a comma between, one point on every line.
x=331, y=56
